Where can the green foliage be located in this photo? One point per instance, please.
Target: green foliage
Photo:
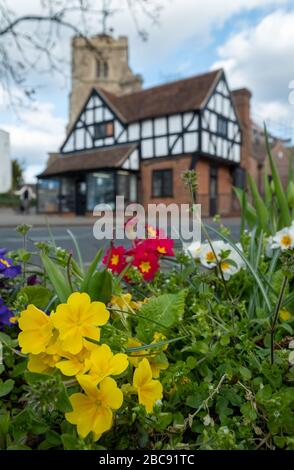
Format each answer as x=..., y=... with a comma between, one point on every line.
x=56, y=278
x=166, y=310
x=275, y=209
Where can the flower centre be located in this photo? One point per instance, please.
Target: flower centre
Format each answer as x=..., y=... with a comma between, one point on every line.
x=224, y=266
x=210, y=256
x=161, y=249
x=286, y=240
x=3, y=261
x=114, y=260
x=145, y=267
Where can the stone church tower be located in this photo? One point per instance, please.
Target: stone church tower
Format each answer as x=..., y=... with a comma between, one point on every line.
x=103, y=62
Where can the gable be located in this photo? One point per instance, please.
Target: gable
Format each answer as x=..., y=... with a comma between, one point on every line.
x=221, y=131
x=96, y=126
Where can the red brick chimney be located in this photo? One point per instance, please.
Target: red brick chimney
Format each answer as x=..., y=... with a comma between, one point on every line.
x=241, y=100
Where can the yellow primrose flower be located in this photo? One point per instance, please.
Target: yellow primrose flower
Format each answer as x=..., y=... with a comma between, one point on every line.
x=124, y=302
x=157, y=364
x=92, y=411
x=70, y=364
x=37, y=330
x=158, y=338
x=77, y=319
x=42, y=363
x=149, y=391
x=105, y=363
x=157, y=361
x=284, y=314
x=135, y=343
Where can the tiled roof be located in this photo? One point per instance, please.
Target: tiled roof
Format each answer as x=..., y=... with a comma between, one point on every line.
x=182, y=95
x=88, y=160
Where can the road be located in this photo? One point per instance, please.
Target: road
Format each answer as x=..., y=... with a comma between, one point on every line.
x=84, y=235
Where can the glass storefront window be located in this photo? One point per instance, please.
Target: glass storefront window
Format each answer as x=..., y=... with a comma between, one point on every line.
x=100, y=189
x=48, y=195
x=67, y=197
x=123, y=184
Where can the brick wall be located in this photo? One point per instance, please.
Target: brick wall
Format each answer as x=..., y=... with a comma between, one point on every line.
x=178, y=165
x=180, y=193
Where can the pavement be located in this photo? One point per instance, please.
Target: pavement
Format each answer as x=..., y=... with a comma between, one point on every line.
x=60, y=228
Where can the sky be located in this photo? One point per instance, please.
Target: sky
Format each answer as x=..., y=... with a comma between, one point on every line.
x=251, y=39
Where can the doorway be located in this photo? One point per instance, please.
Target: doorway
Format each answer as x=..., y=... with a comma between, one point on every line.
x=81, y=196
x=213, y=191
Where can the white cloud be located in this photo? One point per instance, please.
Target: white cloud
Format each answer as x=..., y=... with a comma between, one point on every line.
x=260, y=58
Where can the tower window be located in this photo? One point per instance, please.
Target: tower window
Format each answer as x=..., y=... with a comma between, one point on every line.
x=98, y=68
x=105, y=70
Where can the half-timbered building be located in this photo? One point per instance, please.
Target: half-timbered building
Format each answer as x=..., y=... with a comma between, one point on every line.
x=138, y=145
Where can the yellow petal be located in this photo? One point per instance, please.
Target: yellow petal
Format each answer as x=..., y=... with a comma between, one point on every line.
x=103, y=420
x=118, y=364
x=111, y=394
x=89, y=386
x=96, y=314
x=37, y=364
x=69, y=367
x=143, y=374
x=79, y=301
x=72, y=341
x=83, y=414
x=149, y=394
x=32, y=342
x=33, y=318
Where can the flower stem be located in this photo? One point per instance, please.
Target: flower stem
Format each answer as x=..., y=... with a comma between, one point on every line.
x=275, y=317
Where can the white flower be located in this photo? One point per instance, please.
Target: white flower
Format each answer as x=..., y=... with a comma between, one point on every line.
x=194, y=250
x=283, y=239
x=209, y=256
x=232, y=264
x=223, y=255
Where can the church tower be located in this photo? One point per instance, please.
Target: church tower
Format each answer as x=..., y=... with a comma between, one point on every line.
x=102, y=61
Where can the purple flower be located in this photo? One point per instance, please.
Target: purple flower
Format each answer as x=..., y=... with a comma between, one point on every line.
x=7, y=268
x=5, y=314
x=33, y=280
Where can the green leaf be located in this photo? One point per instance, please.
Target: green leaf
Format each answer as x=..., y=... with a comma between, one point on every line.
x=33, y=378
x=4, y=423
x=69, y=442
x=76, y=244
x=262, y=212
x=57, y=279
x=19, y=369
x=279, y=191
x=6, y=387
x=167, y=309
x=247, y=209
x=63, y=404
x=246, y=373
x=100, y=286
x=37, y=295
x=248, y=411
x=91, y=270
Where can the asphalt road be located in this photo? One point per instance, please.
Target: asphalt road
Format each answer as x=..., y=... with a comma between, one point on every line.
x=84, y=235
